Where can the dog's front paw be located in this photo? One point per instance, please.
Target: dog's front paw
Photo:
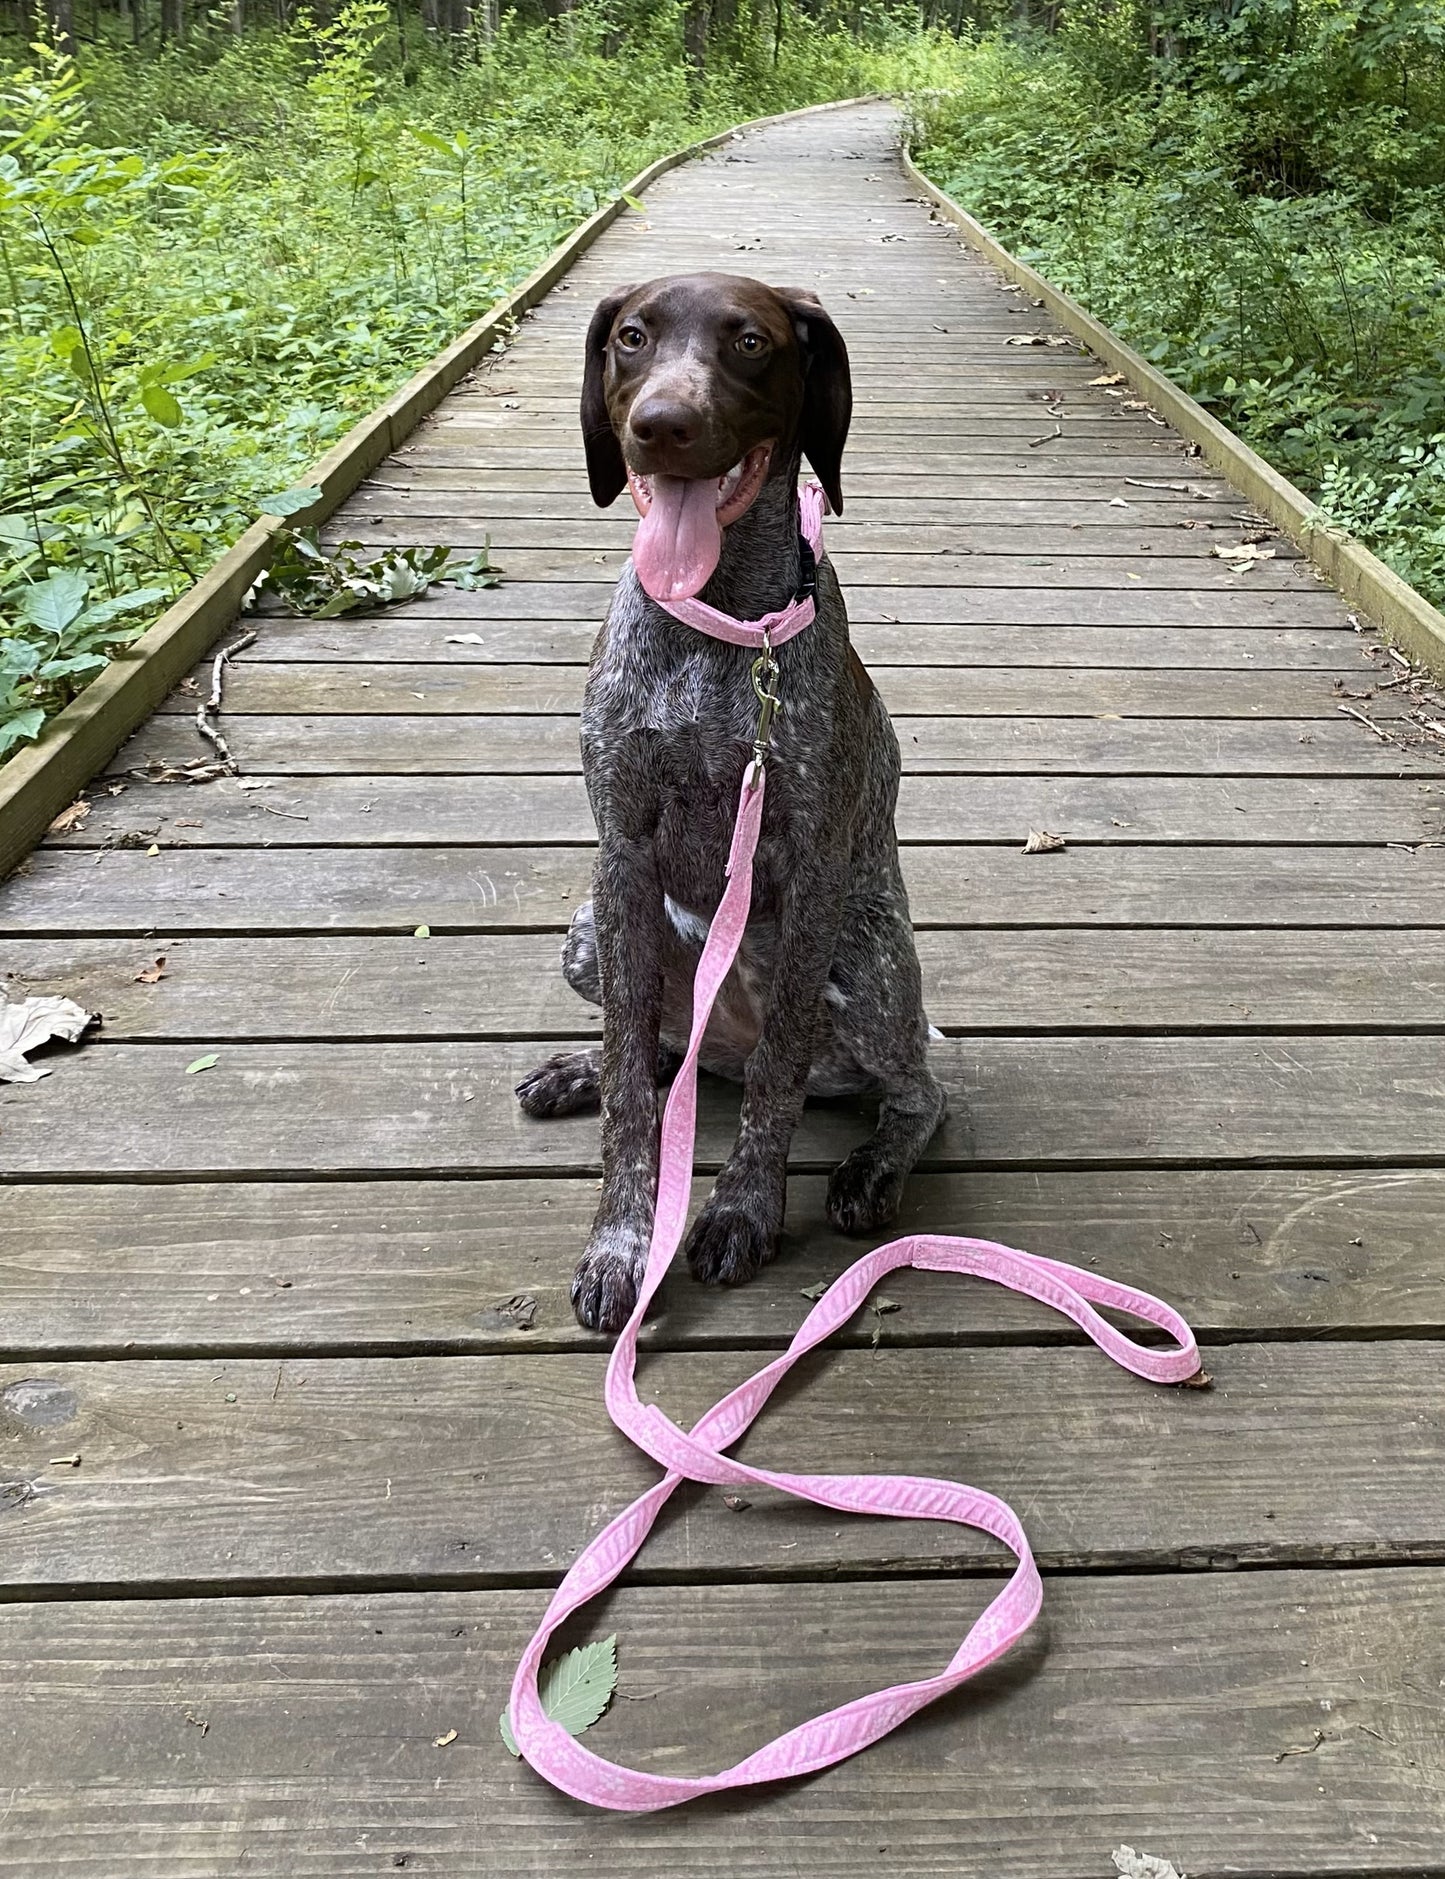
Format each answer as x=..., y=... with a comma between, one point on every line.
x=604, y=1286
x=729, y=1243
x=563, y=1086
x=865, y=1191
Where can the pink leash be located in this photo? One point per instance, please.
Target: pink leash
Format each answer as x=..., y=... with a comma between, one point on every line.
x=698, y=1454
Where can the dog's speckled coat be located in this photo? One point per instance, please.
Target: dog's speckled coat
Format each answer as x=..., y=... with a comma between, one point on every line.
x=825, y=997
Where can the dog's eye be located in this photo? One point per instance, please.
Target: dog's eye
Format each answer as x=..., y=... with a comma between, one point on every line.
x=752, y=344
x=630, y=338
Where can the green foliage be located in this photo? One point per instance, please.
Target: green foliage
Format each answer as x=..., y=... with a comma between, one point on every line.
x=214, y=258
x=1256, y=205
x=323, y=583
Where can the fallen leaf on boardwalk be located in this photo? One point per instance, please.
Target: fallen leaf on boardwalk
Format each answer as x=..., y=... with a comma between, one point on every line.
x=152, y=975
x=1108, y=378
x=202, y=1063
x=1134, y=404
x=1040, y=842
x=421, y=932
x=1241, y=556
x=1134, y=1865
x=154, y=849
x=1118, y=502
x=1025, y=339
x=465, y=639
x=197, y=770
x=735, y=1503
x=72, y=818
x=575, y=1689
x=814, y=1292
x=27, y=1023
x=882, y=1305
x=249, y=783
x=443, y=1741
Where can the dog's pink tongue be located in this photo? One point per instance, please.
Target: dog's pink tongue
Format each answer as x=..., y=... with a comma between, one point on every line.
x=678, y=541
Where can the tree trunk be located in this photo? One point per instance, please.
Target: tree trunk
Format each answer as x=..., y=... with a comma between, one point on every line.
x=238, y=16
x=431, y=15
x=173, y=21
x=62, y=25
x=694, y=38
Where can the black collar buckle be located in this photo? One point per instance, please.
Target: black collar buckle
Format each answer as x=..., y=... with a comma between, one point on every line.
x=807, y=571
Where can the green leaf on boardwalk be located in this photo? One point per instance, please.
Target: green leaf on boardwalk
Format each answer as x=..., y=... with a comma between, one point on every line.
x=202, y=1063
x=288, y=501
x=421, y=932
x=635, y=202
x=575, y=1689
x=814, y=1292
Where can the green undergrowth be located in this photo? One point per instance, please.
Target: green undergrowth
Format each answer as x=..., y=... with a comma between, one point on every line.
x=1257, y=204
x=214, y=259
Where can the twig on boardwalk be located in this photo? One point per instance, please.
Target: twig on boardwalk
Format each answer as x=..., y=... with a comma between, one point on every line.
x=1057, y=431
x=210, y=708
x=1369, y=723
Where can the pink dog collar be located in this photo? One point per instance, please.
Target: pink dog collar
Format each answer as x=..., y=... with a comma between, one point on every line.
x=773, y=628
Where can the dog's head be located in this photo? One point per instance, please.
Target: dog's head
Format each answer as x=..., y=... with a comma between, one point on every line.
x=697, y=388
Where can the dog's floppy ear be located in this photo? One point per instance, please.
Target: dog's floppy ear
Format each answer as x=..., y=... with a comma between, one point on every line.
x=606, y=472
x=827, y=390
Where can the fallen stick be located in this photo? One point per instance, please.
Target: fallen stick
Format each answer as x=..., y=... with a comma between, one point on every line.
x=211, y=707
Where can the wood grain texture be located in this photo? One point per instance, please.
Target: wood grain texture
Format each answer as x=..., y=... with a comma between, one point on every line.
x=524, y=745
x=449, y=685
x=511, y=985
x=1148, y=1710
x=411, y=636
x=478, y=811
x=447, y=1107
x=243, y=1471
x=258, y=1268
x=197, y=889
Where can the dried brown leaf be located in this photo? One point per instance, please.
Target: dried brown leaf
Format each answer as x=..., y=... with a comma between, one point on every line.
x=152, y=975
x=1041, y=842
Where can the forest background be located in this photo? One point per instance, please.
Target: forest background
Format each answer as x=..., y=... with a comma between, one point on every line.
x=227, y=231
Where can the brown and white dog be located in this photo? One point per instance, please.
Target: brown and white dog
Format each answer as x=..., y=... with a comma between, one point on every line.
x=702, y=393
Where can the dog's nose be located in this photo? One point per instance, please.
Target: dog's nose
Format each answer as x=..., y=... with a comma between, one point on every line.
x=665, y=421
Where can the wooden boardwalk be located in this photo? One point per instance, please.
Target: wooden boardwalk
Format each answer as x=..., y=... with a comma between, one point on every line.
x=284, y=1480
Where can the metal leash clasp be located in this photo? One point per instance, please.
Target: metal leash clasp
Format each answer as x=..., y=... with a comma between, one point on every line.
x=766, y=672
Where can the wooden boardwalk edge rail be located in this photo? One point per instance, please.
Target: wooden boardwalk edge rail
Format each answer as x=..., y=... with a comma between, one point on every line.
x=38, y=782
x=1405, y=617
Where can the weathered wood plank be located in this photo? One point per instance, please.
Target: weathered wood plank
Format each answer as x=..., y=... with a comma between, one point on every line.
x=470, y=688
x=447, y=1107
x=410, y=637
x=1131, y=605
x=486, y=810
x=1149, y=1710
x=596, y=573
x=527, y=516
x=851, y=545
x=511, y=985
x=256, y=1268
x=219, y=890
x=243, y=1471
x=866, y=487
x=419, y=745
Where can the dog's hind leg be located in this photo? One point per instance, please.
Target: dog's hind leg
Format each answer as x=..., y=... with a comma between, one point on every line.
x=876, y=1008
